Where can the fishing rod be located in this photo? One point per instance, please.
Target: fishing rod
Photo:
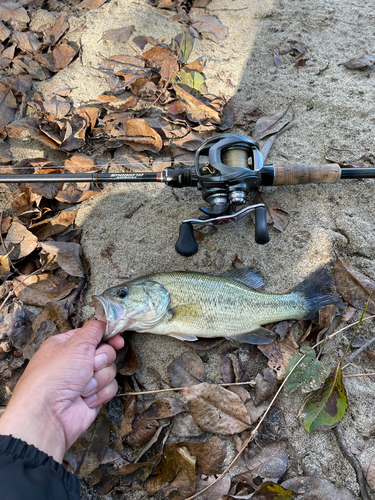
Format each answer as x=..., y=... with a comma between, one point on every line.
x=234, y=167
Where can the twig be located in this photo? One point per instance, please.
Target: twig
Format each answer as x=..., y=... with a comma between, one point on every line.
x=359, y=351
x=20, y=283
x=229, y=10
x=142, y=393
x=358, y=374
x=352, y=460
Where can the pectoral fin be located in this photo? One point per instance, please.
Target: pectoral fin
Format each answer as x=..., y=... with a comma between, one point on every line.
x=183, y=336
x=258, y=336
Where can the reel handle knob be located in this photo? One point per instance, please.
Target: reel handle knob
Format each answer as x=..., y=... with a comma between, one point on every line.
x=261, y=230
x=186, y=244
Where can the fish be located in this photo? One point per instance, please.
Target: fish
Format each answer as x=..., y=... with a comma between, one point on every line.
x=187, y=305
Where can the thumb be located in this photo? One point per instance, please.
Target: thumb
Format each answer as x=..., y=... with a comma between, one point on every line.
x=90, y=334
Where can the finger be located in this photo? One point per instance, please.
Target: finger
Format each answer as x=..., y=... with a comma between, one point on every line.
x=90, y=335
x=105, y=355
x=100, y=380
x=103, y=396
x=117, y=342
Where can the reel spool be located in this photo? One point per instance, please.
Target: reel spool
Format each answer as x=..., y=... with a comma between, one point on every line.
x=225, y=181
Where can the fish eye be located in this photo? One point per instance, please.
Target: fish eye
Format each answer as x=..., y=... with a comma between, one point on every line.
x=122, y=293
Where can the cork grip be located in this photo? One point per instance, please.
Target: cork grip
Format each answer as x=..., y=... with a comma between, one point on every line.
x=287, y=175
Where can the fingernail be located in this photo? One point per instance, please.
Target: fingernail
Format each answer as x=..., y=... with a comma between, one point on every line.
x=90, y=386
x=100, y=360
x=91, y=400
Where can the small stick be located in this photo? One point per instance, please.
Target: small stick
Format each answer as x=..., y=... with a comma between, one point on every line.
x=252, y=382
x=20, y=283
x=358, y=374
x=360, y=351
x=352, y=460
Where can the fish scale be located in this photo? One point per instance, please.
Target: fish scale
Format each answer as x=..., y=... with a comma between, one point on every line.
x=188, y=305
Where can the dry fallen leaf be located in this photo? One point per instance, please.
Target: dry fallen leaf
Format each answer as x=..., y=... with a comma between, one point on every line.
x=8, y=105
x=186, y=370
x=19, y=242
x=353, y=286
x=195, y=109
x=267, y=125
x=216, y=409
x=119, y=34
x=140, y=136
x=276, y=215
x=360, y=63
x=68, y=256
x=279, y=353
x=54, y=225
x=38, y=290
x=211, y=24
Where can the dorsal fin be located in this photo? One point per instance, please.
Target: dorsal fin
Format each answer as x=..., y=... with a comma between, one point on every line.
x=245, y=275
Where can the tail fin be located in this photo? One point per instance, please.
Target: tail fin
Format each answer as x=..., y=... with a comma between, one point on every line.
x=317, y=290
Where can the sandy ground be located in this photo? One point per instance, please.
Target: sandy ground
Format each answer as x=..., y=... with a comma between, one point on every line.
x=322, y=217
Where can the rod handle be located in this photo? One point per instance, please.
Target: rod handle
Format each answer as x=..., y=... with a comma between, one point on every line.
x=288, y=175
x=186, y=244
x=261, y=230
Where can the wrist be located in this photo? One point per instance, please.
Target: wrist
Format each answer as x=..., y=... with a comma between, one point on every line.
x=32, y=423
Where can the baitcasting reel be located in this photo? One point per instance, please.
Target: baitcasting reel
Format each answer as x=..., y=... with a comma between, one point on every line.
x=225, y=181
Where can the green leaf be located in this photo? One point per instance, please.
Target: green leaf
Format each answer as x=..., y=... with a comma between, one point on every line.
x=185, y=42
x=328, y=407
x=310, y=374
x=192, y=79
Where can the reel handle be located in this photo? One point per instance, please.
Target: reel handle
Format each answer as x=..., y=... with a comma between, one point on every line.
x=261, y=230
x=186, y=244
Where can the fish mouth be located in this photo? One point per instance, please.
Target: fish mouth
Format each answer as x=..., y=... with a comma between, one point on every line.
x=110, y=313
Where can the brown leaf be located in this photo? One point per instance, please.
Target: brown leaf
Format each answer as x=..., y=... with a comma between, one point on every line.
x=130, y=405
x=184, y=426
x=279, y=353
x=216, y=409
x=267, y=125
x=353, y=286
x=142, y=41
x=40, y=289
x=26, y=203
x=163, y=408
x=142, y=431
x=63, y=54
x=4, y=32
x=195, y=109
x=210, y=455
x=8, y=104
x=119, y=34
x=217, y=490
x=54, y=225
x=72, y=194
x=53, y=34
x=360, y=63
x=19, y=241
x=26, y=41
x=154, y=57
x=68, y=256
x=211, y=24
x=140, y=136
x=276, y=215
x=186, y=370
x=126, y=360
x=5, y=224
x=79, y=163
x=57, y=106
x=175, y=472
x=17, y=326
x=226, y=366
x=88, y=451
x=266, y=385
x=316, y=487
x=268, y=461
x=91, y=4
x=13, y=12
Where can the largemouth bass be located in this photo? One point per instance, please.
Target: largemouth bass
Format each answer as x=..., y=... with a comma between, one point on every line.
x=188, y=305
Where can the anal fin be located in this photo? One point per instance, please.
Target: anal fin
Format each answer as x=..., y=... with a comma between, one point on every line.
x=183, y=336
x=258, y=336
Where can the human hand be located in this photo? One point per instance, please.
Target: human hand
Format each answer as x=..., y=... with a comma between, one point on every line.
x=62, y=389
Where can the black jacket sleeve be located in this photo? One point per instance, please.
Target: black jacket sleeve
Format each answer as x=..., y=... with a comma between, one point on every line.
x=27, y=473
